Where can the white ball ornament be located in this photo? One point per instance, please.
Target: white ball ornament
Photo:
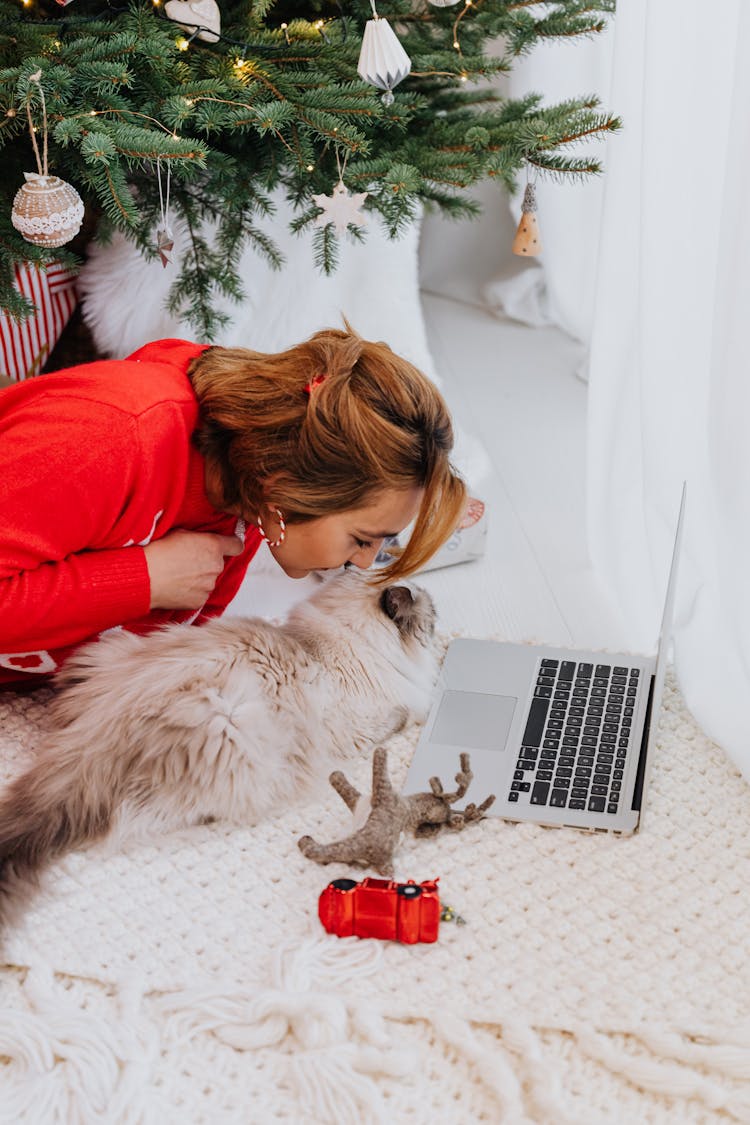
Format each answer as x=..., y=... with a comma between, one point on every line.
x=443, y=3
x=46, y=210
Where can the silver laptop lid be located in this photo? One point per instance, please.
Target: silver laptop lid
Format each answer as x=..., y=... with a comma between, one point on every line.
x=662, y=653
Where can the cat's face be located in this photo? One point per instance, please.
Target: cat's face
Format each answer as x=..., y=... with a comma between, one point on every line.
x=356, y=603
x=412, y=611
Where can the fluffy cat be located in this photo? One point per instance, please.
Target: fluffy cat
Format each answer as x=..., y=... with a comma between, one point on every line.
x=233, y=720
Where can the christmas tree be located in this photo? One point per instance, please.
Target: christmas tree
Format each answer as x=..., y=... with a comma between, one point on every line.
x=134, y=99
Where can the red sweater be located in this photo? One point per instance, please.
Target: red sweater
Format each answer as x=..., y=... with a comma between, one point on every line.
x=95, y=462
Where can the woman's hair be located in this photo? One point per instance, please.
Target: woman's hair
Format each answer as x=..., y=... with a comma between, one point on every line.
x=374, y=423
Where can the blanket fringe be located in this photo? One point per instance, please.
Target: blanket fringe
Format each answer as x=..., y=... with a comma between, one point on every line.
x=63, y=1064
x=509, y=1070
x=676, y=1075
x=332, y=1052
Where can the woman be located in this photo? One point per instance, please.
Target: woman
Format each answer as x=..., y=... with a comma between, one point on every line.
x=135, y=492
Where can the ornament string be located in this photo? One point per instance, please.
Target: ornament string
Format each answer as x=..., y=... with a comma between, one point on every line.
x=339, y=167
x=164, y=209
x=41, y=164
x=164, y=236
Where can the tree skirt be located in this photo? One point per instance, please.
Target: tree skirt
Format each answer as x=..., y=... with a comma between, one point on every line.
x=595, y=980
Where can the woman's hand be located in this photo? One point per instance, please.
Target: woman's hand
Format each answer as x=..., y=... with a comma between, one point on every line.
x=184, y=565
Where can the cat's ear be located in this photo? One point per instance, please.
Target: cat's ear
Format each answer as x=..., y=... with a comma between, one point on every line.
x=397, y=602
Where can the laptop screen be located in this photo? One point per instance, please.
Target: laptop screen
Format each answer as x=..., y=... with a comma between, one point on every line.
x=662, y=653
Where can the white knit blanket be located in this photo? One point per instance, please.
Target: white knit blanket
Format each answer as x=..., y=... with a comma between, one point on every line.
x=595, y=980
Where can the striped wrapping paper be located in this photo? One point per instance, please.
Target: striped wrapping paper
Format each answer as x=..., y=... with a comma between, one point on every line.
x=25, y=345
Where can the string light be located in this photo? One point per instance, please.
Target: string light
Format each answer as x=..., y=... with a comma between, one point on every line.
x=310, y=167
x=181, y=43
x=285, y=29
x=467, y=4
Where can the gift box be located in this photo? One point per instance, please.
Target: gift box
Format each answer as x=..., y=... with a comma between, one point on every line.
x=25, y=345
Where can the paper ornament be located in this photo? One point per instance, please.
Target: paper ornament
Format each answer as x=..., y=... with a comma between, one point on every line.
x=46, y=210
x=341, y=208
x=383, y=62
x=527, y=243
x=191, y=14
x=164, y=246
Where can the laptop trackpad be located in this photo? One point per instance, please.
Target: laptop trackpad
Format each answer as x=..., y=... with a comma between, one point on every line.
x=473, y=720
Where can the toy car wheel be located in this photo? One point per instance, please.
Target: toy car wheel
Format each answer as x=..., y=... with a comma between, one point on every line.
x=343, y=884
x=410, y=890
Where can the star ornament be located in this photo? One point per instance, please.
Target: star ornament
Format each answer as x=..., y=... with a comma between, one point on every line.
x=164, y=245
x=341, y=208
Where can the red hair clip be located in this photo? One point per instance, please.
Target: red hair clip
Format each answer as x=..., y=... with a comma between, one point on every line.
x=310, y=387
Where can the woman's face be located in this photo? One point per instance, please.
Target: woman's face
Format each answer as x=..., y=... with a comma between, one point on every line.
x=354, y=536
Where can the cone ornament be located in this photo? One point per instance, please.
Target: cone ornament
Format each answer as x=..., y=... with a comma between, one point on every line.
x=527, y=243
x=46, y=210
x=383, y=62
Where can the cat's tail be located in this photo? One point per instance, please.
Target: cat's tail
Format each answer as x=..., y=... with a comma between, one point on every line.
x=53, y=807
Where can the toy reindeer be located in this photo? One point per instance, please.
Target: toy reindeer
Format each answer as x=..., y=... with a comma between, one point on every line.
x=424, y=814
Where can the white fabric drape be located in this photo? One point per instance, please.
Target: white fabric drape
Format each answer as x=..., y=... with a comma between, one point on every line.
x=558, y=287
x=669, y=380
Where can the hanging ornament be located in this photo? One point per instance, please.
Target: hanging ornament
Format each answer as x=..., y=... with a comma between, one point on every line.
x=443, y=3
x=46, y=210
x=164, y=236
x=341, y=208
x=193, y=14
x=383, y=62
x=527, y=242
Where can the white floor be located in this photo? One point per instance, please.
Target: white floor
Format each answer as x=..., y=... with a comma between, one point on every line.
x=515, y=390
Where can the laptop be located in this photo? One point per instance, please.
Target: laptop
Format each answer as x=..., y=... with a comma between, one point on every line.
x=560, y=736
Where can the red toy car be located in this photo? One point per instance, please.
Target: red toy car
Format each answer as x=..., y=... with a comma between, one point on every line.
x=379, y=908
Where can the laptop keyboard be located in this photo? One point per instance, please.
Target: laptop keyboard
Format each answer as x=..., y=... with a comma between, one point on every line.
x=577, y=736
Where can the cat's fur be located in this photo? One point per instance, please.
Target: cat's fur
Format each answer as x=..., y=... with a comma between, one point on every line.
x=233, y=720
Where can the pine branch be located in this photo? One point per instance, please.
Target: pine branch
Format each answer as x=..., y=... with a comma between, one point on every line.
x=270, y=108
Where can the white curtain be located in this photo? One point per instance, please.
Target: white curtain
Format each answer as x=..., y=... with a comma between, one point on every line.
x=669, y=373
